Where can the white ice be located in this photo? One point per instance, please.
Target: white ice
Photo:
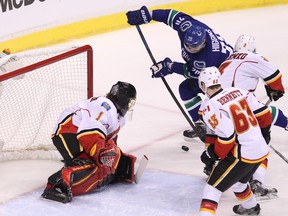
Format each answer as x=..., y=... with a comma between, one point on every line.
x=173, y=182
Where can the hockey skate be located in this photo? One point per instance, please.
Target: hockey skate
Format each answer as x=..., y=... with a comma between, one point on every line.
x=263, y=192
x=56, y=194
x=190, y=134
x=239, y=209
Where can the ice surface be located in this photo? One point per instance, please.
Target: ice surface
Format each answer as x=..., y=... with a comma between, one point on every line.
x=173, y=181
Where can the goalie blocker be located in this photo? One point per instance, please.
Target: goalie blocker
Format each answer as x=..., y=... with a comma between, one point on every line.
x=87, y=176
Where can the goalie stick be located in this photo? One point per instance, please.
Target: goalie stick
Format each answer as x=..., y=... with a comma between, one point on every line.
x=142, y=166
x=191, y=123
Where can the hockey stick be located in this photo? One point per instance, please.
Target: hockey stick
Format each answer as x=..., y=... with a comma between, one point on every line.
x=268, y=102
x=279, y=154
x=164, y=80
x=142, y=166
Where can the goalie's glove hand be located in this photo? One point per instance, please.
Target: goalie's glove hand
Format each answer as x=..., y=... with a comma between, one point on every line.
x=273, y=94
x=209, y=157
x=162, y=68
x=138, y=17
x=110, y=155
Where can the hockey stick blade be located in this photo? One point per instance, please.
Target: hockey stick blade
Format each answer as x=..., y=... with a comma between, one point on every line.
x=142, y=166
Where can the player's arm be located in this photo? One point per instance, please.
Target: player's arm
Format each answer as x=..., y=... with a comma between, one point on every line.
x=222, y=126
x=271, y=76
x=274, y=87
x=170, y=17
x=262, y=114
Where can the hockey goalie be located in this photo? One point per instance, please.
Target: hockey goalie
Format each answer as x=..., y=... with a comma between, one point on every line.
x=86, y=137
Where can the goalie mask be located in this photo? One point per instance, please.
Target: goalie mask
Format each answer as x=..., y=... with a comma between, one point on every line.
x=195, y=39
x=245, y=43
x=123, y=95
x=209, y=76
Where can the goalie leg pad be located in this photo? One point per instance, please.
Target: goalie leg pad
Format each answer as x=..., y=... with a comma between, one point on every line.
x=56, y=189
x=125, y=169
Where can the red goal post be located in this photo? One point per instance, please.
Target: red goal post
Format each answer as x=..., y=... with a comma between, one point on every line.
x=35, y=87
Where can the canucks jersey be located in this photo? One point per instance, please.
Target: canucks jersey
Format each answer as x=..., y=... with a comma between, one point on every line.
x=235, y=117
x=214, y=53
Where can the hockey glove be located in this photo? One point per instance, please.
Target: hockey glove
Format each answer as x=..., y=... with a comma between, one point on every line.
x=139, y=17
x=201, y=130
x=273, y=94
x=162, y=68
x=209, y=157
x=266, y=133
x=110, y=155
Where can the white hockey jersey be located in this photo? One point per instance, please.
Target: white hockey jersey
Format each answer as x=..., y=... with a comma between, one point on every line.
x=234, y=116
x=97, y=114
x=245, y=69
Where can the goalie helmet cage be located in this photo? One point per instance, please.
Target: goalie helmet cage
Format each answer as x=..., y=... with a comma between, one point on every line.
x=35, y=87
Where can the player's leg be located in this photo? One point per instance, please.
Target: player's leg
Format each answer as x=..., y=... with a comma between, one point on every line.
x=68, y=146
x=249, y=205
x=226, y=174
x=189, y=91
x=242, y=190
x=261, y=191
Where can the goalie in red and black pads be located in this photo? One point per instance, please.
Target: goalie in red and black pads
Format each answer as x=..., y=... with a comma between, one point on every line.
x=237, y=129
x=86, y=137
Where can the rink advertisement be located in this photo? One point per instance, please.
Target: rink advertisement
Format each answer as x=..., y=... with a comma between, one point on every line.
x=34, y=15
x=27, y=24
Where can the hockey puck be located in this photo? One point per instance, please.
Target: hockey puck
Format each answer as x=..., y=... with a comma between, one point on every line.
x=185, y=148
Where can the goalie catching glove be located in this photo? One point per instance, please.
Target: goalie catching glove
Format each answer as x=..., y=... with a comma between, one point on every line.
x=110, y=155
x=273, y=94
x=162, y=68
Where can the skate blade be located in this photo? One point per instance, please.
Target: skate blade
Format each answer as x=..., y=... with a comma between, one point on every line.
x=52, y=197
x=267, y=197
x=190, y=139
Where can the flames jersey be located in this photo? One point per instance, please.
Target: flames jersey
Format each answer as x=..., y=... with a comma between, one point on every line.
x=97, y=115
x=234, y=116
x=245, y=69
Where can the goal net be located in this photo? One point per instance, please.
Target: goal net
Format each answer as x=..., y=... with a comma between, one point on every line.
x=35, y=87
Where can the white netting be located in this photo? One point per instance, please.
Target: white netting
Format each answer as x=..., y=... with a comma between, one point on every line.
x=31, y=103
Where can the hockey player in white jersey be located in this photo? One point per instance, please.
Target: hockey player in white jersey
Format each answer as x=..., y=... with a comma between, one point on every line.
x=86, y=137
x=243, y=69
x=236, y=126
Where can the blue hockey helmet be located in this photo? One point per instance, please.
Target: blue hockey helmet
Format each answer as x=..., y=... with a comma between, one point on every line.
x=195, y=39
